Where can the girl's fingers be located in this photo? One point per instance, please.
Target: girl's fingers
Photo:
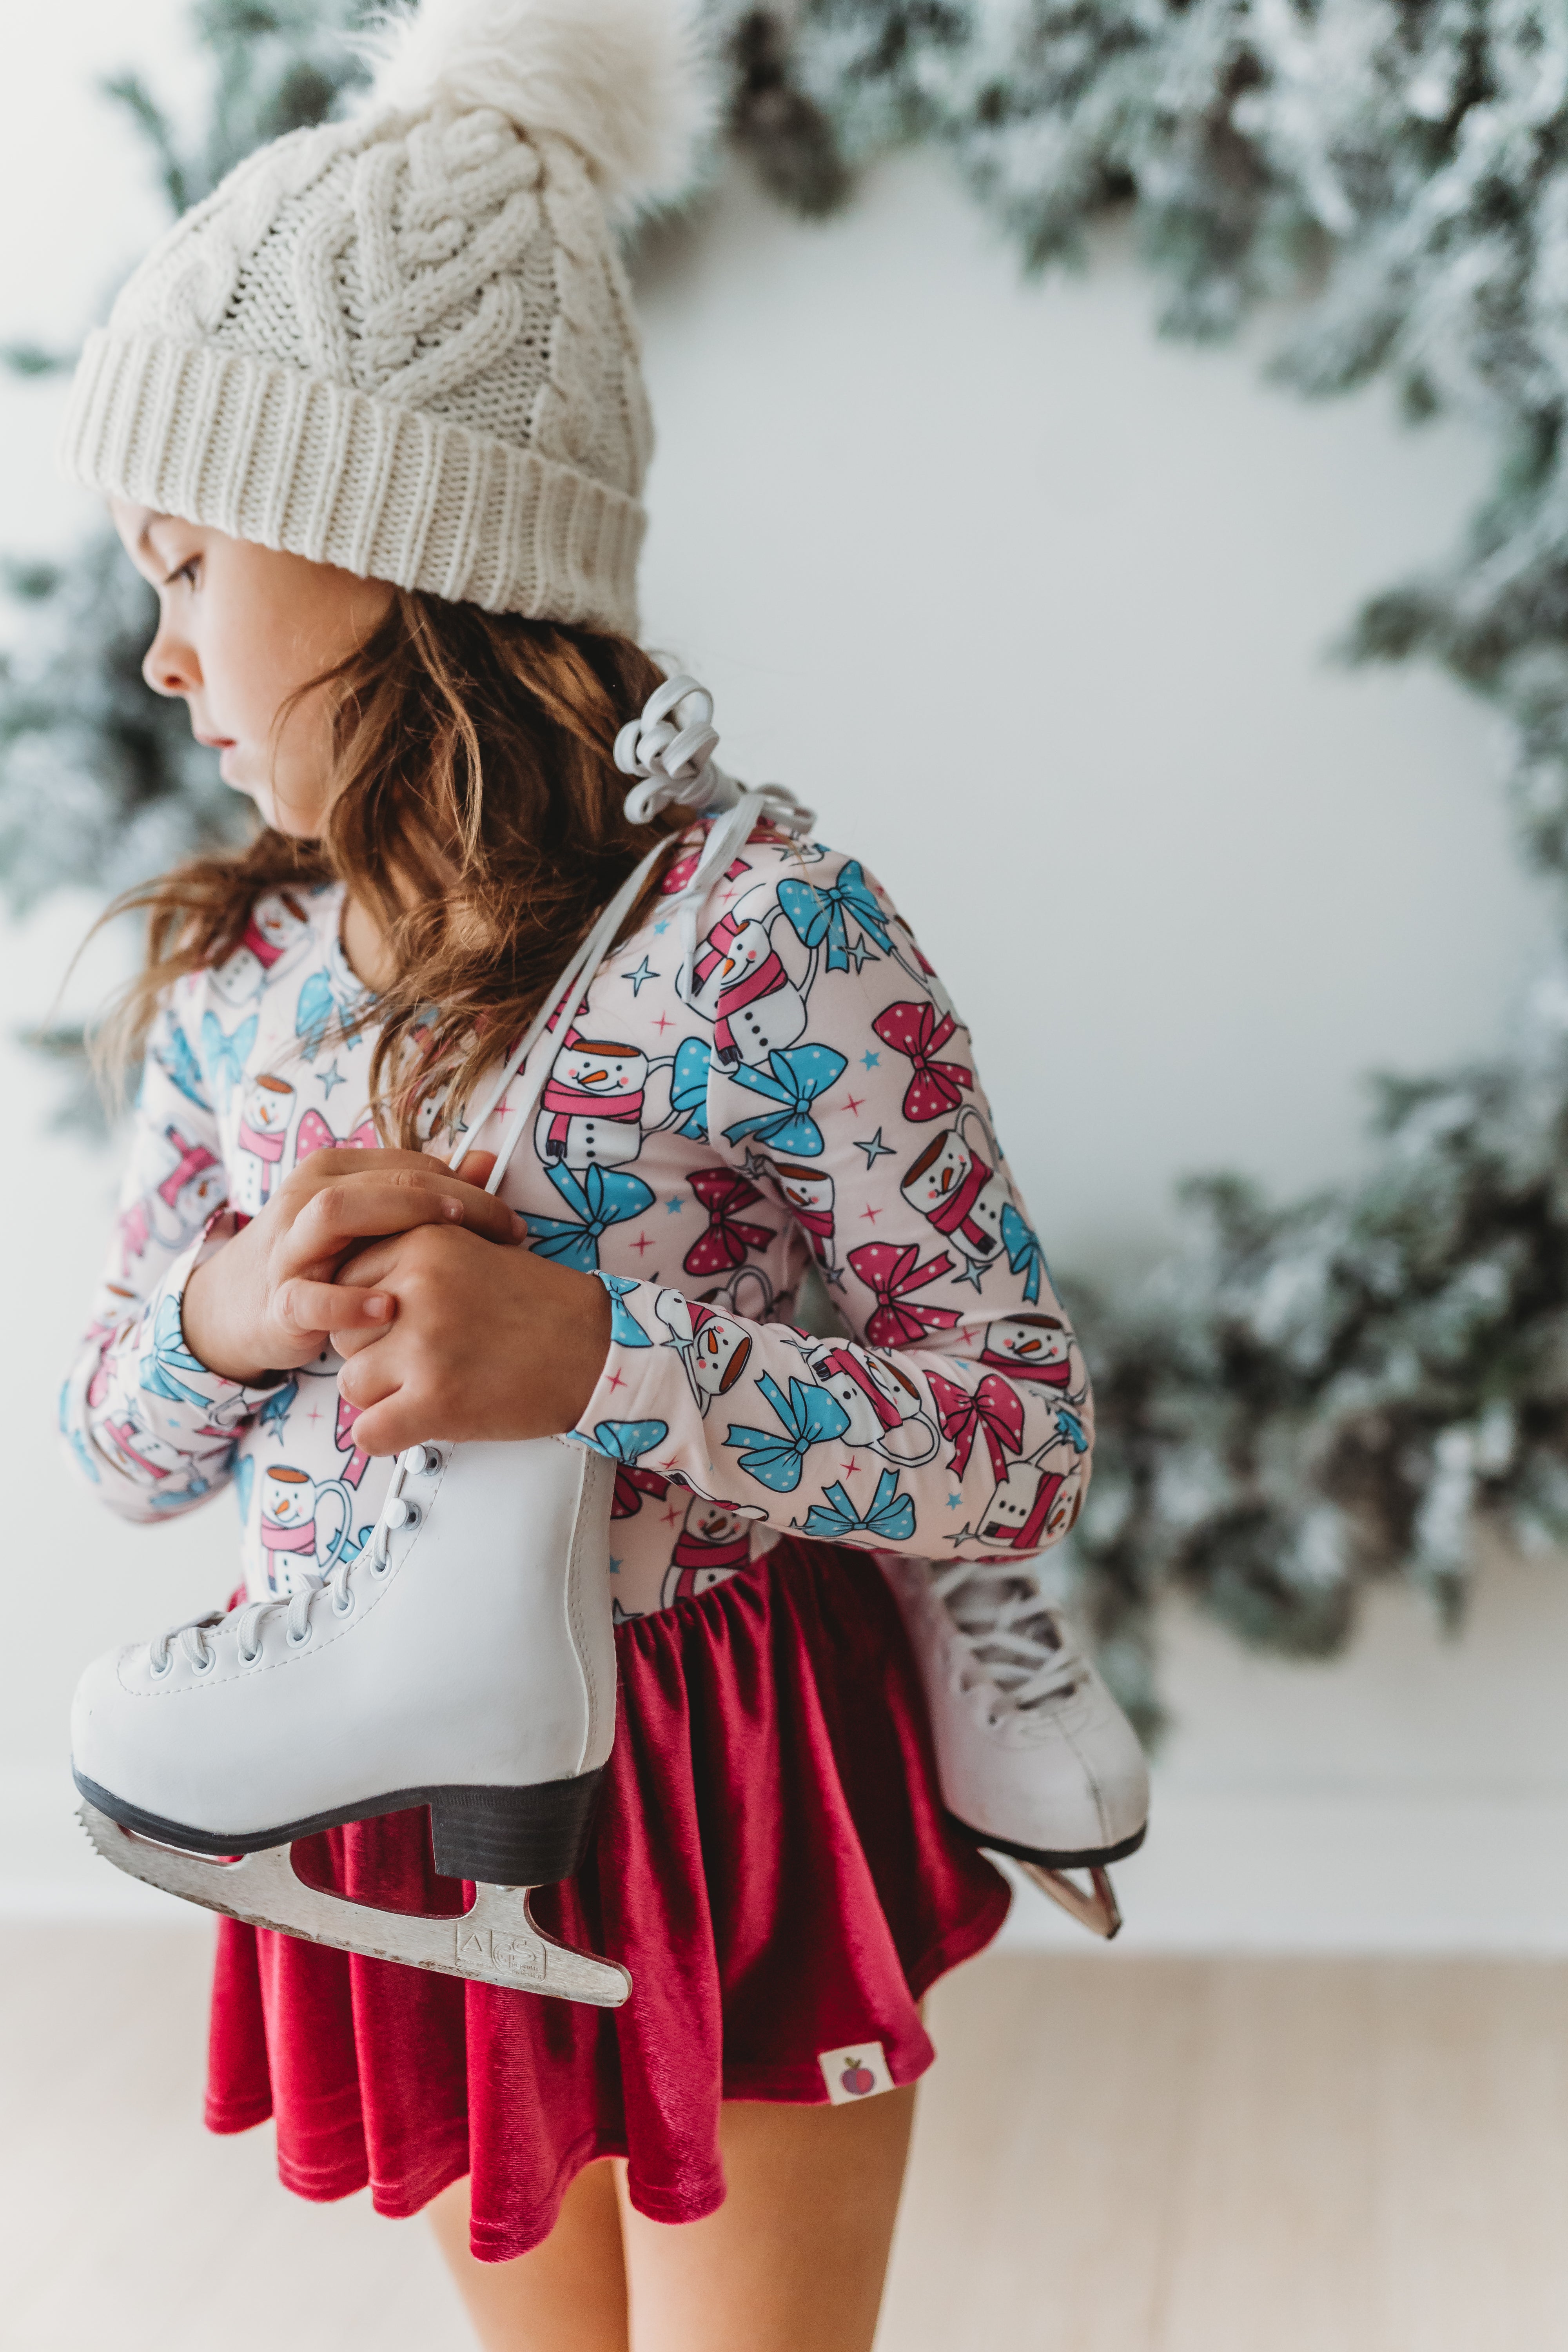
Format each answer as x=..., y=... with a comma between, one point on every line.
x=304, y=1306
x=355, y=1207
x=387, y=1427
x=366, y=1381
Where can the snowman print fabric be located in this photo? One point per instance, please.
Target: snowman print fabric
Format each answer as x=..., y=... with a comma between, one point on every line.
x=806, y=1092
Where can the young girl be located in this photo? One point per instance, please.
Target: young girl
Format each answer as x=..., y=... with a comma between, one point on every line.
x=370, y=422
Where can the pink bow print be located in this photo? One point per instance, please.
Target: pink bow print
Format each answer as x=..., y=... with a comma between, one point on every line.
x=994, y=1408
x=913, y=1030
x=726, y=1238
x=891, y=1273
x=315, y=1135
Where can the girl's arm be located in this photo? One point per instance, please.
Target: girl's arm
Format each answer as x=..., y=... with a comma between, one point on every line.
x=956, y=1421
x=145, y=1422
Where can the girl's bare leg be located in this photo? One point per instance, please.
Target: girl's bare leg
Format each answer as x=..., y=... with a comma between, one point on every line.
x=567, y=2296
x=796, y=2255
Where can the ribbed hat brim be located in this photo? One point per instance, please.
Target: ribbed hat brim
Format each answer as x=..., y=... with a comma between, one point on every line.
x=265, y=452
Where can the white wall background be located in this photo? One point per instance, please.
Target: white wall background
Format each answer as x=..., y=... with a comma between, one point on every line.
x=1034, y=609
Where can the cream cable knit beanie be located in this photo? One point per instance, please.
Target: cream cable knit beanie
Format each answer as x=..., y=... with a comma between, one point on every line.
x=403, y=343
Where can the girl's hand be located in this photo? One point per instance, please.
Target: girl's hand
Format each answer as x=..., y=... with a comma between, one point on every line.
x=486, y=1343
x=266, y=1300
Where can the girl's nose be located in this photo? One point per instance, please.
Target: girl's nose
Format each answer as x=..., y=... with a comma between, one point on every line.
x=169, y=666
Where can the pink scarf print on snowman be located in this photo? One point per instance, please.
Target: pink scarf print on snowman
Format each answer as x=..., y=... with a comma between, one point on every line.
x=563, y=1100
x=264, y=1125
x=950, y=1212
x=1020, y=1511
x=843, y=1363
x=1031, y=1348
x=808, y=1194
x=765, y=978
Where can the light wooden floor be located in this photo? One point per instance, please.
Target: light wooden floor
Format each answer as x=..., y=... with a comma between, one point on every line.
x=1114, y=2155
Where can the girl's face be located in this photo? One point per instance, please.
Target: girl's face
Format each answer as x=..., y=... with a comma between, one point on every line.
x=241, y=629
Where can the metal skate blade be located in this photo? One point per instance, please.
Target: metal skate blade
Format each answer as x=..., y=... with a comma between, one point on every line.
x=496, y=1942
x=1093, y=1906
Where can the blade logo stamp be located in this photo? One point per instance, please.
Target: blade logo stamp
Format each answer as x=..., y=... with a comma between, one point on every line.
x=514, y=1955
x=857, y=2071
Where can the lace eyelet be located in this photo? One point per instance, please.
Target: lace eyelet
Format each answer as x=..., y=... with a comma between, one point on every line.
x=160, y=1671
x=248, y=1657
x=298, y=1641
x=205, y=1664
x=345, y=1607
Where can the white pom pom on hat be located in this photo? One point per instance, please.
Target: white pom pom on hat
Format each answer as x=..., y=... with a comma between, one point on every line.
x=403, y=343
x=622, y=80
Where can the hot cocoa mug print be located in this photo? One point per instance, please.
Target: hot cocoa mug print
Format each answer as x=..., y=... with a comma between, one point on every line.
x=290, y=1534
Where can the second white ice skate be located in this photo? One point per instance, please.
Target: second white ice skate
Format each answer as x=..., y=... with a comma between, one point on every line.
x=1037, y=1759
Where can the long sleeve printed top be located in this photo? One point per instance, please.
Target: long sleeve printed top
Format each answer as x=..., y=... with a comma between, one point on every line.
x=808, y=1093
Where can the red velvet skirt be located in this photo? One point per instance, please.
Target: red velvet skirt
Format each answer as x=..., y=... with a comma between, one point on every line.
x=772, y=1863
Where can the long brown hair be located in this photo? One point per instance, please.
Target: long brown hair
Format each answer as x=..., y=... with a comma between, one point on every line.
x=475, y=810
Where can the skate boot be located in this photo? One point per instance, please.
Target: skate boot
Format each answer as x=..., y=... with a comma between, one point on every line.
x=464, y=1660
x=1037, y=1759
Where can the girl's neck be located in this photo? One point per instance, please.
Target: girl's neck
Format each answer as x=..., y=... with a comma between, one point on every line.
x=362, y=937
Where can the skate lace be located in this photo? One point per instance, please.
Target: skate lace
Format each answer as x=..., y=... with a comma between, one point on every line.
x=1019, y=1643
x=675, y=764
x=199, y=1653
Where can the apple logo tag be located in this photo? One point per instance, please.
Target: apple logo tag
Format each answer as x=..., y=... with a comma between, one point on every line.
x=857, y=2071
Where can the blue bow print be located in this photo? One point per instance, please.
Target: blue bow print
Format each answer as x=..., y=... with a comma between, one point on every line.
x=1023, y=1249
x=689, y=1086
x=627, y=1441
x=159, y=1371
x=180, y=1066
x=810, y=1417
x=314, y=1011
x=1069, y=1426
x=598, y=1199
x=794, y=1080
x=816, y=913
x=625, y=1331
x=223, y=1056
x=891, y=1518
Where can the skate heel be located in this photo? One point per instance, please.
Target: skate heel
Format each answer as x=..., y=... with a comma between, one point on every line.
x=515, y=1837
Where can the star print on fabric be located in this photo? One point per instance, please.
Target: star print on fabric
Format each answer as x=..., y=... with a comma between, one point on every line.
x=953, y=1501
x=615, y=1565
x=660, y=928
x=853, y=1102
x=644, y=971
x=332, y=1076
x=869, y=1216
x=663, y=1022
x=874, y=1148
x=965, y=1534
x=673, y=1208
x=872, y=1060
x=641, y=1244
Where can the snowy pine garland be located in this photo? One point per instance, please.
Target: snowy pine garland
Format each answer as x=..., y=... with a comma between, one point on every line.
x=1308, y=1396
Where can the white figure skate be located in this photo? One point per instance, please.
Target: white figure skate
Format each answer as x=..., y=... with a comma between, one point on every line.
x=1037, y=1759
x=452, y=1665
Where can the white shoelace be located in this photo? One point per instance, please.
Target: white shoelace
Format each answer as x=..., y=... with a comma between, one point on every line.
x=1024, y=1651
x=675, y=765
